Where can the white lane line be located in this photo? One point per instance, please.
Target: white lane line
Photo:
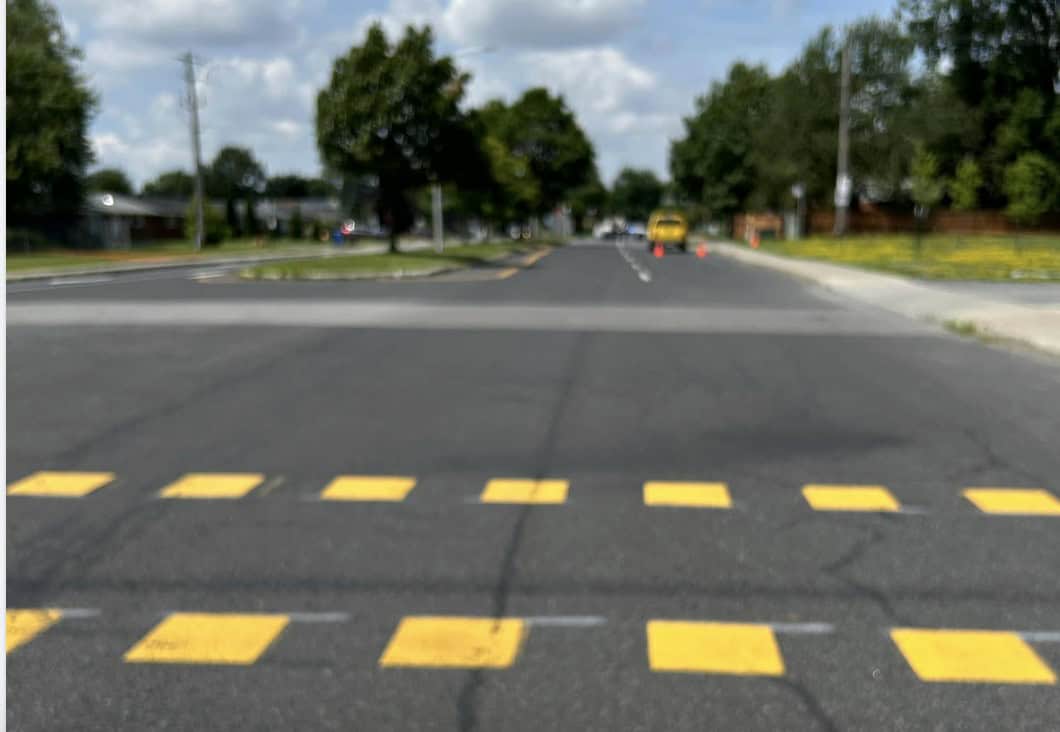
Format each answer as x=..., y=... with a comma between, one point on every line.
x=566, y=621
x=79, y=280
x=803, y=628
x=78, y=613
x=337, y=617
x=642, y=272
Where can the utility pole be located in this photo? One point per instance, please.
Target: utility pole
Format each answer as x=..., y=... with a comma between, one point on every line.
x=196, y=151
x=436, y=217
x=842, y=179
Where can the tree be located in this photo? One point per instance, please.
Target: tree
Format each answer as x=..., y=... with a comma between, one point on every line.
x=295, y=225
x=540, y=129
x=925, y=185
x=713, y=164
x=297, y=186
x=587, y=200
x=109, y=180
x=1031, y=184
x=49, y=106
x=235, y=175
x=173, y=183
x=966, y=184
x=215, y=229
x=636, y=193
x=393, y=112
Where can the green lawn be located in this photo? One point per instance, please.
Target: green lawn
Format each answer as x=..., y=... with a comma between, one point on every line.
x=1023, y=258
x=404, y=263
x=60, y=259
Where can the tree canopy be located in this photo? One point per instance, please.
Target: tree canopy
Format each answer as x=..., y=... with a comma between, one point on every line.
x=297, y=186
x=111, y=180
x=393, y=112
x=49, y=106
x=636, y=193
x=173, y=183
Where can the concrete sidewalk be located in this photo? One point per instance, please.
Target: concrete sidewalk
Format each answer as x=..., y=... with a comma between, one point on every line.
x=1037, y=325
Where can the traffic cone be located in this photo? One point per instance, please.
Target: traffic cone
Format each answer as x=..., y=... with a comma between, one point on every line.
x=701, y=250
x=658, y=251
x=754, y=240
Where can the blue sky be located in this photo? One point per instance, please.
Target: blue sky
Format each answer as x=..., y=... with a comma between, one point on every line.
x=630, y=69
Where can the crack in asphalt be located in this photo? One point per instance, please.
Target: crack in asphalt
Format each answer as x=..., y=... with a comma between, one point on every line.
x=466, y=704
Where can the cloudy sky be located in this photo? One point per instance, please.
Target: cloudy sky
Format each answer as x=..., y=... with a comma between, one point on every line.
x=630, y=69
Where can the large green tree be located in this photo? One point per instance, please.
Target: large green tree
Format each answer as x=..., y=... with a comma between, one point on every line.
x=173, y=183
x=111, y=180
x=712, y=165
x=234, y=175
x=636, y=193
x=49, y=106
x=392, y=112
x=542, y=130
x=297, y=186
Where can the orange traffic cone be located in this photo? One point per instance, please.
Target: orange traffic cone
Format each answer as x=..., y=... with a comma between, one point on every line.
x=658, y=251
x=754, y=240
x=701, y=250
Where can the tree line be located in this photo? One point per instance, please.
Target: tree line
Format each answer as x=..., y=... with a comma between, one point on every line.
x=953, y=102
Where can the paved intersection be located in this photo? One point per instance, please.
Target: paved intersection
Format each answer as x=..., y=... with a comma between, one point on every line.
x=485, y=514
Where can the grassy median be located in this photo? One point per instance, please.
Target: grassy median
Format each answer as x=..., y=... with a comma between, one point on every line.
x=402, y=264
x=167, y=251
x=1023, y=258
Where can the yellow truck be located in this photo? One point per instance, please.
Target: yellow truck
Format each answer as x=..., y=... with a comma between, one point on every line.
x=667, y=228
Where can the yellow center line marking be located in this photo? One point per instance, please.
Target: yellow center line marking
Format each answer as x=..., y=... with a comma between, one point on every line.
x=59, y=484
x=850, y=498
x=213, y=485
x=532, y=259
x=506, y=273
x=455, y=642
x=520, y=490
x=1014, y=500
x=713, y=648
x=368, y=488
x=22, y=626
x=208, y=638
x=695, y=495
x=971, y=656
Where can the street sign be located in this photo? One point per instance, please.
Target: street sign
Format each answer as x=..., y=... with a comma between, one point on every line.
x=842, y=191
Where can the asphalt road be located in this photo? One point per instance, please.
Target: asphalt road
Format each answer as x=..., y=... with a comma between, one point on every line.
x=444, y=610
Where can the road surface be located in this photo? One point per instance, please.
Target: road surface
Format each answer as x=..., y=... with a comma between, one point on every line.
x=624, y=493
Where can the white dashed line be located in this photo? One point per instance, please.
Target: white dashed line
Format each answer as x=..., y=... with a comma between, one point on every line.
x=643, y=273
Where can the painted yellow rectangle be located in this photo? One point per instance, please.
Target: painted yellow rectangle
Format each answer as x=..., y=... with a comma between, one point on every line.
x=713, y=648
x=368, y=488
x=519, y=490
x=971, y=656
x=455, y=642
x=208, y=638
x=1014, y=500
x=22, y=626
x=850, y=498
x=213, y=485
x=695, y=495
x=59, y=484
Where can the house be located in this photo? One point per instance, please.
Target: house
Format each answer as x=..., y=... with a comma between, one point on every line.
x=116, y=221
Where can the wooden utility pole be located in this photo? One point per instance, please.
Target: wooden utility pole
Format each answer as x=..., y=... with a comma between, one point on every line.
x=196, y=150
x=842, y=179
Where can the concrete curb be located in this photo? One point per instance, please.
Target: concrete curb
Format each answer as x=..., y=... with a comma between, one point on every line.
x=1036, y=326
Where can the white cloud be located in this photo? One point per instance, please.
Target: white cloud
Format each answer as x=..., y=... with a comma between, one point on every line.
x=202, y=23
x=538, y=24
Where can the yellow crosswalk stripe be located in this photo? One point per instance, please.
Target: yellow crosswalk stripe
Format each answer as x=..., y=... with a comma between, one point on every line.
x=368, y=488
x=520, y=490
x=22, y=626
x=59, y=484
x=971, y=656
x=850, y=498
x=1014, y=500
x=455, y=642
x=693, y=495
x=209, y=638
x=713, y=648
x=213, y=485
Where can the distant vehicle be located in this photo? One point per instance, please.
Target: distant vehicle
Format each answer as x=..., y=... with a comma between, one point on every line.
x=668, y=228
x=637, y=229
x=609, y=228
